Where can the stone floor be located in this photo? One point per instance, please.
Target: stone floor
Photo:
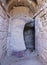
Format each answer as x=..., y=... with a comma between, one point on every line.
x=28, y=59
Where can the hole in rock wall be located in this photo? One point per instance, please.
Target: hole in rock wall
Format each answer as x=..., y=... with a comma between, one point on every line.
x=29, y=37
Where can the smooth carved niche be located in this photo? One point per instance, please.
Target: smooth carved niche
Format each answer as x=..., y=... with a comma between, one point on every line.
x=16, y=28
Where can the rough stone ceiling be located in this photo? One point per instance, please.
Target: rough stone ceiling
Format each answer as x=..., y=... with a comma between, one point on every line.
x=10, y=4
x=27, y=3
x=6, y=1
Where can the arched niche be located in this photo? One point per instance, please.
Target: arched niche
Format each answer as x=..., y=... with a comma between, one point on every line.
x=29, y=36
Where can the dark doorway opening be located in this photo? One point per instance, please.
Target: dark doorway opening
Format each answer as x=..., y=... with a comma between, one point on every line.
x=29, y=37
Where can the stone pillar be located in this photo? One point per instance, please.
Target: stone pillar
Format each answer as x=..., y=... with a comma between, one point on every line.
x=3, y=33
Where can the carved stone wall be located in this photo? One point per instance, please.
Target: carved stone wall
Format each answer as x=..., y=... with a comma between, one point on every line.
x=3, y=33
x=41, y=34
x=20, y=11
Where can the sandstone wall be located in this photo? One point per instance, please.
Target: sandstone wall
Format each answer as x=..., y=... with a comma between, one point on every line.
x=41, y=34
x=3, y=33
x=20, y=11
